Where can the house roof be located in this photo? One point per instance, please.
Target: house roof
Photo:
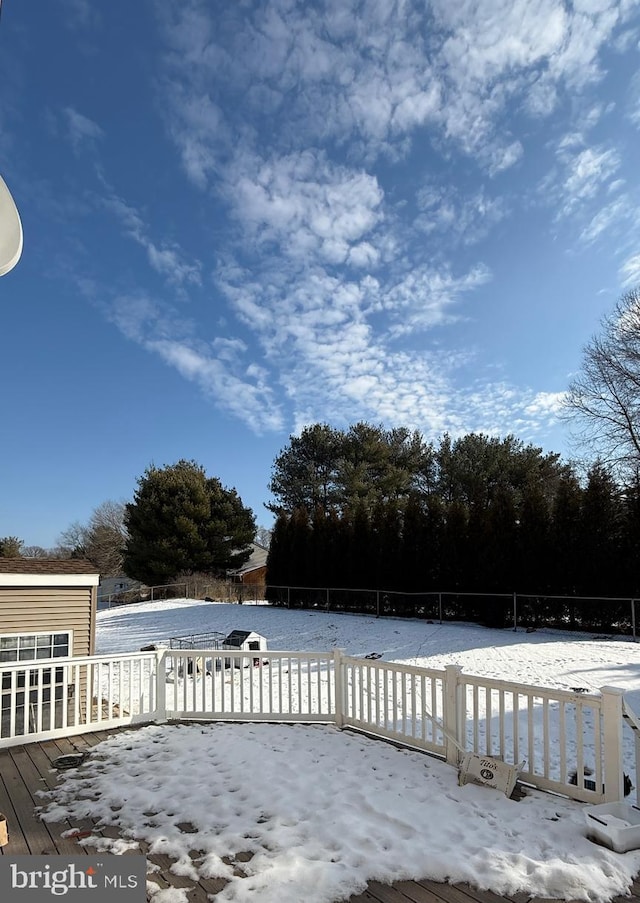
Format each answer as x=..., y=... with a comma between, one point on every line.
x=238, y=637
x=46, y=566
x=239, y=634
x=257, y=559
x=48, y=572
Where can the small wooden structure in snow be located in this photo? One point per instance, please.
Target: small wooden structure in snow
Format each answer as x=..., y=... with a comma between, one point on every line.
x=244, y=641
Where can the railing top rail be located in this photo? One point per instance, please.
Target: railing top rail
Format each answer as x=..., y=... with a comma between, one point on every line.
x=630, y=715
x=594, y=699
x=74, y=660
x=247, y=653
x=434, y=673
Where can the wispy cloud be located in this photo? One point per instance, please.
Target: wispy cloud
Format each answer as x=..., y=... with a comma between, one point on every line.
x=426, y=297
x=320, y=331
x=587, y=172
x=545, y=405
x=222, y=369
x=81, y=13
x=583, y=176
x=633, y=103
x=611, y=216
x=168, y=260
x=81, y=130
x=630, y=272
x=465, y=218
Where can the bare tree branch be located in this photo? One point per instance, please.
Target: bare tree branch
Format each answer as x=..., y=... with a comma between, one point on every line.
x=604, y=399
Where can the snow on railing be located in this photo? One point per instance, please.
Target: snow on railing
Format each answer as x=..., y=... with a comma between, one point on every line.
x=562, y=737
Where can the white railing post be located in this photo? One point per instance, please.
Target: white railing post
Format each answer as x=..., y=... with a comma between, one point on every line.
x=161, y=685
x=612, y=741
x=339, y=668
x=453, y=714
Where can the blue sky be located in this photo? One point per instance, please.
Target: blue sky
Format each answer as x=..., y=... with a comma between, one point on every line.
x=244, y=217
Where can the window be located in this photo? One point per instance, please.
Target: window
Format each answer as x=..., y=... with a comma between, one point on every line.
x=29, y=647
x=23, y=691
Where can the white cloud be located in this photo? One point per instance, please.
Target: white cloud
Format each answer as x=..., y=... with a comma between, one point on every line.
x=305, y=205
x=375, y=76
x=542, y=97
x=218, y=368
x=545, y=404
x=199, y=130
x=168, y=259
x=588, y=171
x=244, y=396
x=169, y=262
x=583, y=174
x=502, y=158
x=630, y=272
x=423, y=298
x=609, y=217
x=633, y=104
x=466, y=218
x=320, y=331
x=80, y=129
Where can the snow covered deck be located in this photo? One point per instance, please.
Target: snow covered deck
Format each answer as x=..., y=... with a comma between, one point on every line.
x=25, y=770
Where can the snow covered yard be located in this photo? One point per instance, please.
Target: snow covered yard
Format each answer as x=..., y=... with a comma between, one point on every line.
x=544, y=658
x=313, y=813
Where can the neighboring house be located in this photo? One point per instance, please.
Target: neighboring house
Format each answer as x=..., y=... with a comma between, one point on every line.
x=47, y=608
x=254, y=570
x=119, y=588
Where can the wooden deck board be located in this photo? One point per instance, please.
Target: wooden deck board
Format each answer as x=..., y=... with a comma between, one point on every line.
x=417, y=893
x=25, y=770
x=460, y=893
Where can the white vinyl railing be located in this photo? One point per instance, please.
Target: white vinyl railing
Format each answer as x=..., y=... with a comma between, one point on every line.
x=398, y=702
x=558, y=735
x=60, y=697
x=554, y=734
x=227, y=685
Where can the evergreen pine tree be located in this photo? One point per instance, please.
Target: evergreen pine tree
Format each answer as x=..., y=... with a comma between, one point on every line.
x=181, y=521
x=600, y=544
x=278, y=559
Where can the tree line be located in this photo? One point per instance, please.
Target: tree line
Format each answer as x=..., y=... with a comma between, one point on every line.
x=385, y=510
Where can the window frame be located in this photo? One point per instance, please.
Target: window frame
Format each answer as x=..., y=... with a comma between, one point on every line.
x=36, y=635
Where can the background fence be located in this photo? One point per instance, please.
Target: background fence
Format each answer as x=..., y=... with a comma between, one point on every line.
x=610, y=614
x=516, y=610
x=141, y=594
x=218, y=590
